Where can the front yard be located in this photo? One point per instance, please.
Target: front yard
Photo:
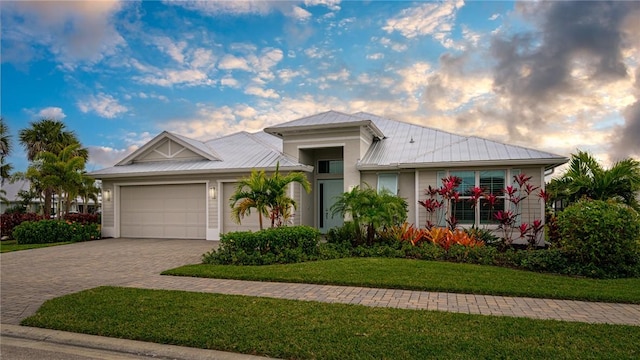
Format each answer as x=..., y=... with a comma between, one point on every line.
x=428, y=276
x=311, y=330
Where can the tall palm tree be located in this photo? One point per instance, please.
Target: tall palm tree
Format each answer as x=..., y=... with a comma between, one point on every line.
x=63, y=173
x=5, y=150
x=48, y=135
x=585, y=177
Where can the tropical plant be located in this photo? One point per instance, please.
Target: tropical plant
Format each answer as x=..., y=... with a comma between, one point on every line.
x=585, y=177
x=370, y=210
x=51, y=136
x=267, y=195
x=88, y=191
x=5, y=150
x=62, y=172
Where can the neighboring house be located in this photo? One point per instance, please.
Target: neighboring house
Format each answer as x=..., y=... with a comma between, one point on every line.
x=12, y=190
x=177, y=187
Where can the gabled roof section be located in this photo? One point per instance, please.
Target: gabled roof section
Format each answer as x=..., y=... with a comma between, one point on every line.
x=161, y=146
x=236, y=153
x=326, y=120
x=410, y=146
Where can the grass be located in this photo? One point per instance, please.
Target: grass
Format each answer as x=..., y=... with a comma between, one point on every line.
x=12, y=245
x=309, y=330
x=428, y=276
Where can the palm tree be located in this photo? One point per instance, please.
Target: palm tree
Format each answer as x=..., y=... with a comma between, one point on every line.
x=64, y=173
x=48, y=135
x=251, y=192
x=267, y=195
x=5, y=150
x=585, y=177
x=278, y=201
x=88, y=191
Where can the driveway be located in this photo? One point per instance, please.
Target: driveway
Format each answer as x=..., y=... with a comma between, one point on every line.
x=28, y=278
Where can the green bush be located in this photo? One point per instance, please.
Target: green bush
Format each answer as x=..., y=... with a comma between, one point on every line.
x=600, y=239
x=52, y=231
x=279, y=245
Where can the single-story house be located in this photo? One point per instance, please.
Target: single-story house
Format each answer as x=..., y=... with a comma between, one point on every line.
x=12, y=195
x=177, y=187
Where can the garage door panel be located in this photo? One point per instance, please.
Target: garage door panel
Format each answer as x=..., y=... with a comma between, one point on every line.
x=163, y=211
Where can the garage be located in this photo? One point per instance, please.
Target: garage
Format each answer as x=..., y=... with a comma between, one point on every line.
x=176, y=211
x=251, y=222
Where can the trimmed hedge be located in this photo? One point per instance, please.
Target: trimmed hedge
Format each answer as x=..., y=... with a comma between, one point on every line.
x=279, y=245
x=52, y=231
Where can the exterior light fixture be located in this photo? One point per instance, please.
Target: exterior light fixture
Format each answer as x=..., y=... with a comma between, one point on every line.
x=213, y=192
x=107, y=195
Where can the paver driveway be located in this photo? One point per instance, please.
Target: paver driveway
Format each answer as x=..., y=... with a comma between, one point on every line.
x=30, y=277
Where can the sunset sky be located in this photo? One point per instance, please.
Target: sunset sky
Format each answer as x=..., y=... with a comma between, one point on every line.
x=555, y=76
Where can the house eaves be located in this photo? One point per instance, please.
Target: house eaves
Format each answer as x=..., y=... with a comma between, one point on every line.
x=367, y=124
x=182, y=170
x=549, y=163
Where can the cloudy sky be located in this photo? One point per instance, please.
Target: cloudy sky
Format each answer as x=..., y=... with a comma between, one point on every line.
x=555, y=76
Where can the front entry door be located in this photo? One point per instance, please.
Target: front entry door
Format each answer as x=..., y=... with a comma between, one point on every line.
x=329, y=191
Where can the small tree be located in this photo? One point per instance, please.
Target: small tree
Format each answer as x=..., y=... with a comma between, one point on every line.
x=267, y=195
x=370, y=211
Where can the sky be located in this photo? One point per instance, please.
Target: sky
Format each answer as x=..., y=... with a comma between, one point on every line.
x=553, y=76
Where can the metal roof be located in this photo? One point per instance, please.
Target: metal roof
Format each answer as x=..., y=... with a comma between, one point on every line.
x=239, y=152
x=409, y=145
x=329, y=119
x=397, y=145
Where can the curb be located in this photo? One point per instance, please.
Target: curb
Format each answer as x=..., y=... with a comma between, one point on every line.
x=122, y=346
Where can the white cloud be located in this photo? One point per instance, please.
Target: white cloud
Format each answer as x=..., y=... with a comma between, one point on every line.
x=333, y=5
x=51, y=112
x=395, y=46
x=230, y=62
x=174, y=49
x=286, y=75
x=300, y=14
x=264, y=93
x=494, y=17
x=73, y=32
x=102, y=104
x=376, y=56
x=230, y=82
x=434, y=19
x=167, y=78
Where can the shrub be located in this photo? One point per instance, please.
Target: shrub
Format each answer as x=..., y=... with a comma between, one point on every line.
x=8, y=221
x=52, y=231
x=601, y=239
x=270, y=246
x=345, y=234
x=83, y=218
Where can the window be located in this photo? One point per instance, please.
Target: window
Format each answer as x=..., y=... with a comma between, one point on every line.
x=492, y=182
x=389, y=182
x=330, y=167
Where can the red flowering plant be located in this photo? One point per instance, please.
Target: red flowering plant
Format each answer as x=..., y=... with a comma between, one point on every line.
x=440, y=202
x=530, y=230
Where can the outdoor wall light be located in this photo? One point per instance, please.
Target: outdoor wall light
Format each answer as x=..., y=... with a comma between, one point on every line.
x=212, y=192
x=107, y=195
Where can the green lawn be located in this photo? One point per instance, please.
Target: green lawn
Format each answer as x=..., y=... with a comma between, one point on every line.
x=310, y=330
x=12, y=245
x=429, y=276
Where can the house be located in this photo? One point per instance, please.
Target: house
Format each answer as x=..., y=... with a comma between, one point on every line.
x=13, y=191
x=177, y=187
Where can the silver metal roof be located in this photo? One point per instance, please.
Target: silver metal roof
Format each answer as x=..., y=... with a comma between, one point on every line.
x=239, y=152
x=397, y=145
x=409, y=145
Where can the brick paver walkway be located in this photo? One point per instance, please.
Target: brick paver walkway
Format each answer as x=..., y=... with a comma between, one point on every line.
x=30, y=277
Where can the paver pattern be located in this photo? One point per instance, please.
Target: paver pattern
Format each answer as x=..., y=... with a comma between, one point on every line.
x=30, y=277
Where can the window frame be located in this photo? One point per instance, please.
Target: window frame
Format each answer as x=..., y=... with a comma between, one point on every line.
x=395, y=176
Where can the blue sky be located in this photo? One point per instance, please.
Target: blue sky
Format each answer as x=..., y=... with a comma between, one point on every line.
x=555, y=76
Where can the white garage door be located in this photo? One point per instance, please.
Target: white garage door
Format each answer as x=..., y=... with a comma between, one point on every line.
x=250, y=222
x=163, y=211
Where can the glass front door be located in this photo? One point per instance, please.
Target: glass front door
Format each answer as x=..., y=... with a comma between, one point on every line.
x=328, y=192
